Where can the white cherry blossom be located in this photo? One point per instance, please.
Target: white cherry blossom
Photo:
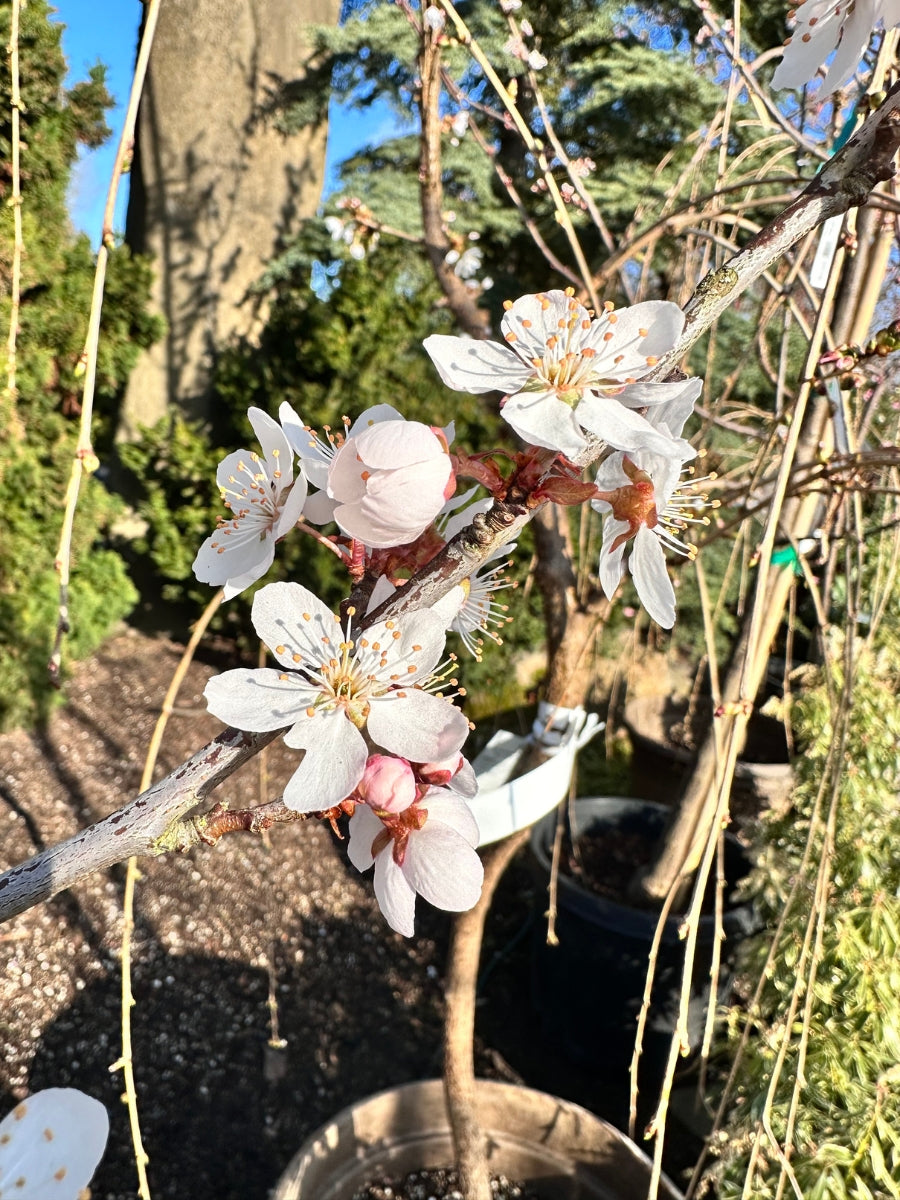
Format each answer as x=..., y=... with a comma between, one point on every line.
x=428, y=849
x=383, y=482
x=646, y=506
x=389, y=482
x=50, y=1145
x=265, y=502
x=570, y=377
x=333, y=685
x=825, y=26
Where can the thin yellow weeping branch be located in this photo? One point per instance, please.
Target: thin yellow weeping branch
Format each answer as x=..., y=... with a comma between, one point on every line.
x=85, y=459
x=12, y=426
x=125, y=1063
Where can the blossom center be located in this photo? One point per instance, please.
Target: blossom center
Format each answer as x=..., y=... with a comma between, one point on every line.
x=634, y=503
x=251, y=496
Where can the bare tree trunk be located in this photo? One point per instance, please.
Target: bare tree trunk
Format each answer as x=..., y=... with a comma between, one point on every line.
x=215, y=187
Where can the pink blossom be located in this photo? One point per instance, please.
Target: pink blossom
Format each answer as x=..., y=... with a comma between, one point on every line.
x=388, y=482
x=388, y=783
x=428, y=849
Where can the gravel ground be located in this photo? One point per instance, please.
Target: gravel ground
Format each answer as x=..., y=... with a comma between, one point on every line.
x=225, y=937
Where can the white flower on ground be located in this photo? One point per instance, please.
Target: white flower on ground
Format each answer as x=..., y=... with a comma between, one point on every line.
x=428, y=849
x=265, y=501
x=50, y=1145
x=333, y=685
x=568, y=374
x=823, y=26
x=643, y=502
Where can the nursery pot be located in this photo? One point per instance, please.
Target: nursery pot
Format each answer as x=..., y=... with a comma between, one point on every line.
x=561, y=1150
x=588, y=989
x=763, y=777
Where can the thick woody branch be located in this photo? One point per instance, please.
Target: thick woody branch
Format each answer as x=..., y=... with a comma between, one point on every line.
x=142, y=827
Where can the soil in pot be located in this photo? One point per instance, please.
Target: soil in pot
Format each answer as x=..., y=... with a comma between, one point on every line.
x=588, y=988
x=440, y=1184
x=665, y=735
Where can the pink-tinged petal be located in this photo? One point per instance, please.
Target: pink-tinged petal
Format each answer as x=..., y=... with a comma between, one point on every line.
x=289, y=615
x=319, y=508
x=642, y=331
x=258, y=700
x=451, y=810
x=347, y=477
x=388, y=783
x=393, y=444
x=50, y=1145
x=396, y=899
x=611, y=567
x=397, y=507
x=533, y=319
x=275, y=445
x=651, y=578
x=617, y=425
x=364, y=829
x=474, y=366
x=542, y=419
x=333, y=764
x=373, y=416
x=465, y=781
x=293, y=507
x=443, y=868
x=418, y=726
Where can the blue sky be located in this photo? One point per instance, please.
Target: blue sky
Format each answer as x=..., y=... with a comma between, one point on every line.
x=107, y=32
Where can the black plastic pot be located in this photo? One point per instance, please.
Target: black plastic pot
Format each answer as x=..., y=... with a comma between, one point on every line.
x=763, y=777
x=588, y=989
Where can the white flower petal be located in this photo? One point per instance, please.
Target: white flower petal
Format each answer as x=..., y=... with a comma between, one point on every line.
x=290, y=615
x=474, y=366
x=612, y=566
x=333, y=764
x=651, y=577
x=293, y=507
x=396, y=898
x=643, y=331
x=50, y=1145
x=618, y=426
x=442, y=867
x=233, y=554
x=275, y=446
x=417, y=726
x=313, y=456
x=542, y=419
x=450, y=809
x=364, y=829
x=373, y=416
x=258, y=700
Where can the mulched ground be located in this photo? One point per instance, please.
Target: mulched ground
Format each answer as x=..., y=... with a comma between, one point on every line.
x=224, y=938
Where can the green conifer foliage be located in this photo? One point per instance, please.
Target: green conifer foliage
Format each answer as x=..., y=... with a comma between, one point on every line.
x=846, y=1126
x=40, y=419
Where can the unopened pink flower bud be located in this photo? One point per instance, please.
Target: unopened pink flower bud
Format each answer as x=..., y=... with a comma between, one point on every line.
x=388, y=784
x=439, y=774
